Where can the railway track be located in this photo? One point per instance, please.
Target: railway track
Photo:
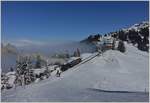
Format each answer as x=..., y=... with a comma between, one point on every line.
x=86, y=60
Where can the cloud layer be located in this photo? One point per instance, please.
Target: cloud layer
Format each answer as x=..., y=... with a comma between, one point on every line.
x=26, y=42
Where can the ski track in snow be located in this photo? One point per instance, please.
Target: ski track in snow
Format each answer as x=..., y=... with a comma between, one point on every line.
x=113, y=76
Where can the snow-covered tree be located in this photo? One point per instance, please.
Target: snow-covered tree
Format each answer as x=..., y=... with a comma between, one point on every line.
x=24, y=75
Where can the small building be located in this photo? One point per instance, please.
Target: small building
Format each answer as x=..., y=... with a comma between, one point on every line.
x=108, y=42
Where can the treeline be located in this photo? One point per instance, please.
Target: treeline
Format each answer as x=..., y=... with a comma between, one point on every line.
x=139, y=38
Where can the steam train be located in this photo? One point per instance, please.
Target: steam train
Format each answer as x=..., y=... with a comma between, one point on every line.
x=72, y=62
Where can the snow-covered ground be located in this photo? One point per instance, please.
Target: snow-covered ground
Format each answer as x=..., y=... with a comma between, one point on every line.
x=113, y=76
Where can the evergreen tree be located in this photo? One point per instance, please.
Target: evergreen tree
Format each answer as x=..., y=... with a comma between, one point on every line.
x=11, y=69
x=144, y=31
x=122, y=35
x=38, y=62
x=105, y=35
x=121, y=46
x=75, y=54
x=133, y=36
x=113, y=45
x=143, y=44
x=67, y=54
x=78, y=52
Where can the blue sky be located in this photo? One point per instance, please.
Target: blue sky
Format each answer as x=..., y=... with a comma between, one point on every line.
x=39, y=22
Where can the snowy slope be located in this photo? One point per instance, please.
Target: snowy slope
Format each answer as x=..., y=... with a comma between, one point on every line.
x=114, y=76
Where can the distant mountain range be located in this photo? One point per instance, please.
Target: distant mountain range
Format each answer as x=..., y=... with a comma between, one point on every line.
x=8, y=56
x=8, y=49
